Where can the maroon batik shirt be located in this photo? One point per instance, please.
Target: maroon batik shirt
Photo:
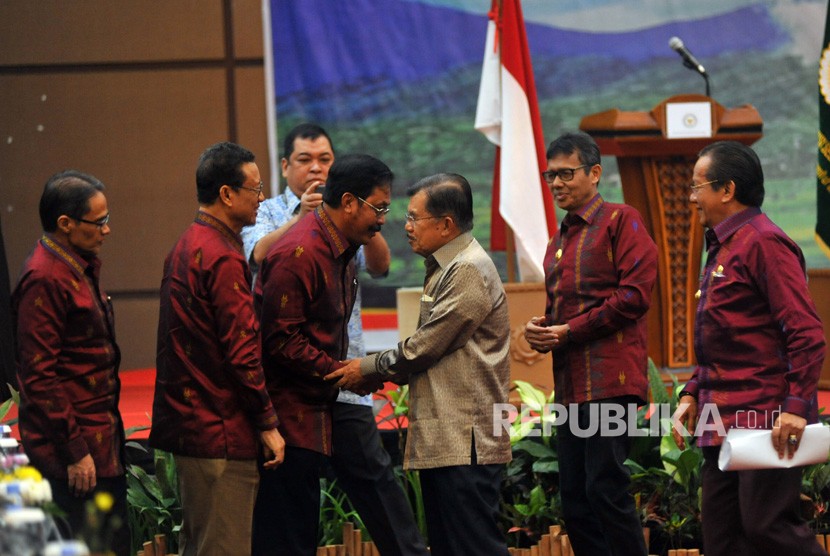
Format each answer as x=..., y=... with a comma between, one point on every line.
x=600, y=268
x=67, y=363
x=210, y=399
x=306, y=289
x=758, y=340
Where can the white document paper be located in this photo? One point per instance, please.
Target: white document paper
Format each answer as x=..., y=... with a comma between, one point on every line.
x=752, y=449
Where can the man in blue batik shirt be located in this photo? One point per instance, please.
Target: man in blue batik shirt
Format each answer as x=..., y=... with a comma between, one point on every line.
x=363, y=467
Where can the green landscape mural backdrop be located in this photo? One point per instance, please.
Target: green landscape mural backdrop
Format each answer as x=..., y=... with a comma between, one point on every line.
x=399, y=79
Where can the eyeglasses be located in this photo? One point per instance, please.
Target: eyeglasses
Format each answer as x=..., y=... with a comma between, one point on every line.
x=565, y=174
x=101, y=222
x=257, y=190
x=695, y=188
x=378, y=211
x=412, y=218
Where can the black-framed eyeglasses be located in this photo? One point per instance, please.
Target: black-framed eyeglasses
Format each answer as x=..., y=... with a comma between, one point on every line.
x=101, y=222
x=565, y=174
x=378, y=211
x=695, y=188
x=412, y=218
x=257, y=190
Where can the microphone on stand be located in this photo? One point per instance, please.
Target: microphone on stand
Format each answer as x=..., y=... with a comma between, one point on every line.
x=689, y=60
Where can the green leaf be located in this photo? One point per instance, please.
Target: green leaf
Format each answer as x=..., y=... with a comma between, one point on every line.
x=534, y=449
x=531, y=396
x=546, y=466
x=6, y=406
x=166, y=475
x=655, y=380
x=140, y=499
x=522, y=509
x=537, y=495
x=136, y=445
x=132, y=430
x=634, y=467
x=520, y=429
x=688, y=465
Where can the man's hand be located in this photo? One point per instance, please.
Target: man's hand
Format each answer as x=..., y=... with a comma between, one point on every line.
x=686, y=415
x=349, y=377
x=378, y=256
x=310, y=199
x=274, y=448
x=786, y=434
x=369, y=386
x=81, y=476
x=544, y=338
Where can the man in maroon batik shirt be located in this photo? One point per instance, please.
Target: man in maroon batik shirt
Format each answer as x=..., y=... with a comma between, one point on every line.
x=67, y=358
x=211, y=408
x=760, y=347
x=600, y=268
x=306, y=289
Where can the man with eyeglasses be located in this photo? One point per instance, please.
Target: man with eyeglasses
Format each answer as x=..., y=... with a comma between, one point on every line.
x=361, y=464
x=306, y=292
x=600, y=269
x=67, y=357
x=211, y=409
x=457, y=366
x=760, y=346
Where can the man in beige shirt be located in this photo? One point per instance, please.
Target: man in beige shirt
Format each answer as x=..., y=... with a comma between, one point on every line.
x=457, y=367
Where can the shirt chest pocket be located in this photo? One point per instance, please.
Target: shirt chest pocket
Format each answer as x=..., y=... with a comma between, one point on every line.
x=425, y=309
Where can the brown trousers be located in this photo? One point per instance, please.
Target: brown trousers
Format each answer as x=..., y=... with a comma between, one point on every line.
x=217, y=505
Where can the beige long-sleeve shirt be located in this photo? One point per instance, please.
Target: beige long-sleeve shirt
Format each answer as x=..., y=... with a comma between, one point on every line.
x=456, y=361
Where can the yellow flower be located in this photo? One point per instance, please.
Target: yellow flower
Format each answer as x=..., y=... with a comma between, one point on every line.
x=103, y=501
x=28, y=472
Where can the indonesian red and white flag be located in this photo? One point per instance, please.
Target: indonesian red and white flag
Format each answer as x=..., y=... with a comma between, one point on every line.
x=508, y=115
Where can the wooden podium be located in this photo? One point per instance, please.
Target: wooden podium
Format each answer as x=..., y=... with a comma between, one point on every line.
x=656, y=172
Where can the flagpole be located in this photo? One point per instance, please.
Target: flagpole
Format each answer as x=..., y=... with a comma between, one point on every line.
x=509, y=238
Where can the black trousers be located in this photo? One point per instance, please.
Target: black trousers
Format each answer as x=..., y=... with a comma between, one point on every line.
x=116, y=523
x=600, y=516
x=753, y=512
x=462, y=508
x=364, y=472
x=287, y=509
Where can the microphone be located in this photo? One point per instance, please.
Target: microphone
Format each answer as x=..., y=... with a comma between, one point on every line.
x=688, y=60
